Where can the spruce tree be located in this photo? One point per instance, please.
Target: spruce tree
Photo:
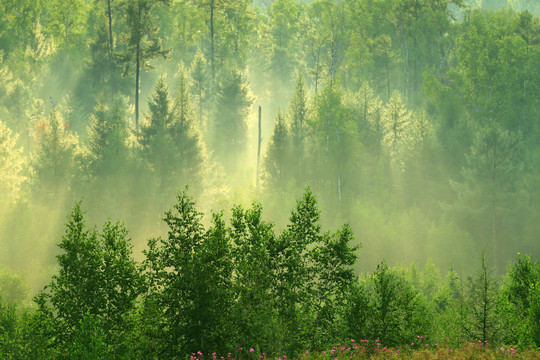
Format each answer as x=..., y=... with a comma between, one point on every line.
x=54, y=158
x=277, y=161
x=298, y=109
x=396, y=121
x=142, y=43
x=187, y=137
x=480, y=320
x=229, y=127
x=200, y=86
x=156, y=140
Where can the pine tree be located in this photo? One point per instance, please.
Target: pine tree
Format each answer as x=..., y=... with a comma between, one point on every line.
x=480, y=320
x=298, y=109
x=278, y=157
x=489, y=179
x=200, y=86
x=142, y=42
x=396, y=121
x=108, y=136
x=230, y=128
x=54, y=158
x=156, y=139
x=187, y=138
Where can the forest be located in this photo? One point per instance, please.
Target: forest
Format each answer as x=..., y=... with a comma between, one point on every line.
x=269, y=178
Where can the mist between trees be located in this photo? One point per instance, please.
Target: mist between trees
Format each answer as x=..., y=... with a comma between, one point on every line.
x=219, y=288
x=415, y=122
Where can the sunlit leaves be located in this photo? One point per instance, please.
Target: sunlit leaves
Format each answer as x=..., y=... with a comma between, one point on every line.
x=11, y=165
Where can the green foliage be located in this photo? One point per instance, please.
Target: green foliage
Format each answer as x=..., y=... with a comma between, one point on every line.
x=230, y=128
x=95, y=289
x=13, y=289
x=53, y=160
x=254, y=273
x=189, y=278
x=415, y=121
x=520, y=302
x=11, y=165
x=479, y=317
x=399, y=314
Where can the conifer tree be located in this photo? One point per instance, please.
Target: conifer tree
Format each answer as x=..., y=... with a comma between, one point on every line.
x=108, y=136
x=187, y=138
x=200, y=85
x=396, y=120
x=480, y=319
x=142, y=42
x=369, y=121
x=297, y=114
x=278, y=157
x=54, y=157
x=155, y=138
x=489, y=177
x=230, y=128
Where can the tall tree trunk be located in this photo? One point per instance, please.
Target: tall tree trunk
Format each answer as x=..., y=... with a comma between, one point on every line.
x=109, y=13
x=259, y=152
x=212, y=42
x=111, y=46
x=137, y=71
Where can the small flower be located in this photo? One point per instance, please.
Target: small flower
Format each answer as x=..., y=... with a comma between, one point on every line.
x=307, y=352
x=352, y=340
x=251, y=350
x=412, y=344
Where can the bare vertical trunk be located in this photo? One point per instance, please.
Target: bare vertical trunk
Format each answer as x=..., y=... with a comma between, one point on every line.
x=406, y=47
x=494, y=209
x=137, y=71
x=415, y=70
x=109, y=13
x=111, y=45
x=388, y=79
x=259, y=152
x=212, y=42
